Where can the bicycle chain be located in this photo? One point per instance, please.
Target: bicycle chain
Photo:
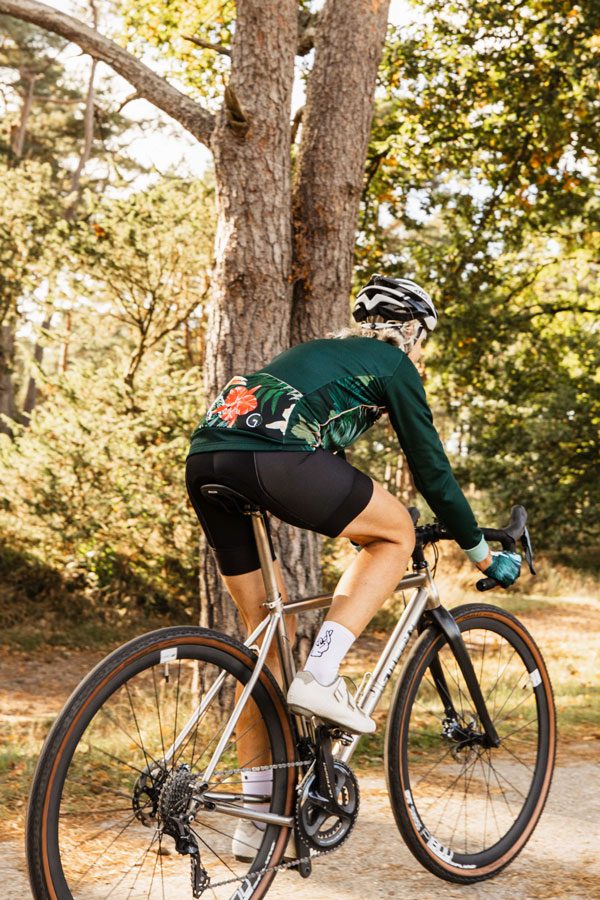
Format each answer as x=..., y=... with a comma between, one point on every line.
x=291, y=864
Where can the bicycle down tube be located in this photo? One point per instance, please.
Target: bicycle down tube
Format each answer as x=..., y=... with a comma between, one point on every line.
x=273, y=626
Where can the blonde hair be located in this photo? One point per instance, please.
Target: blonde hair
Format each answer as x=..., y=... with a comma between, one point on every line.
x=401, y=335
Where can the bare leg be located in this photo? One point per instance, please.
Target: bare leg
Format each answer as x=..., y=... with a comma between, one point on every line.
x=248, y=593
x=385, y=531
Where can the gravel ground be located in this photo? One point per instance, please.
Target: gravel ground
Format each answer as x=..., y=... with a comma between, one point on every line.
x=561, y=860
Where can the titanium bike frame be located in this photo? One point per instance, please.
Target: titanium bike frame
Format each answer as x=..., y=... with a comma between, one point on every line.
x=273, y=627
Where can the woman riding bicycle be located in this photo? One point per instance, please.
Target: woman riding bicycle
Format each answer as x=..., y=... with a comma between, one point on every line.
x=147, y=755
x=273, y=435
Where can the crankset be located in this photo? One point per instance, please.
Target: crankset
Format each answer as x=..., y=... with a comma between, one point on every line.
x=328, y=804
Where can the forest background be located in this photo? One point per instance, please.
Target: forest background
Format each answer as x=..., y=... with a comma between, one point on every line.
x=480, y=182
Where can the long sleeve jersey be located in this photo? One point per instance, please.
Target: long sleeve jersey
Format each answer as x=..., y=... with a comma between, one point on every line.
x=325, y=394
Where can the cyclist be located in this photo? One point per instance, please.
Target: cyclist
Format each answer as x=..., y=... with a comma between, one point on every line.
x=274, y=436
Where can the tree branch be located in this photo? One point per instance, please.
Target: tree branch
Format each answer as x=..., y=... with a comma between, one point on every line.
x=296, y=123
x=207, y=45
x=197, y=120
x=307, y=26
x=237, y=118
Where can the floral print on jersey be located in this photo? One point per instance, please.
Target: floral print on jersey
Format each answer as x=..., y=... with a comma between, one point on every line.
x=258, y=402
x=239, y=401
x=332, y=417
x=338, y=413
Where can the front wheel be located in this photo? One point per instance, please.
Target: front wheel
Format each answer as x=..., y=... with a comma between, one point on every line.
x=108, y=810
x=464, y=810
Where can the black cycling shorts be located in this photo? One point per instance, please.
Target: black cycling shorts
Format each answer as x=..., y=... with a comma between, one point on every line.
x=310, y=489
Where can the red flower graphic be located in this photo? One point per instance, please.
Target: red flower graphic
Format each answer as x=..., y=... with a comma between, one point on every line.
x=239, y=401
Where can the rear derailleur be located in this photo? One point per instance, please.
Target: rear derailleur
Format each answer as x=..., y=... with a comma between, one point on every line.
x=175, y=820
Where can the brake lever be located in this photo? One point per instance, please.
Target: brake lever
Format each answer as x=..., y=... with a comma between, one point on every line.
x=528, y=550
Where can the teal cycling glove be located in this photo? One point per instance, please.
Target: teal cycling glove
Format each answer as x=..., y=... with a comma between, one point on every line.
x=505, y=568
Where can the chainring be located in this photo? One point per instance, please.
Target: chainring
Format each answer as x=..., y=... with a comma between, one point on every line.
x=319, y=828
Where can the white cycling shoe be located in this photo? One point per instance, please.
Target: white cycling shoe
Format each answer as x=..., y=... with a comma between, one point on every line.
x=331, y=702
x=247, y=839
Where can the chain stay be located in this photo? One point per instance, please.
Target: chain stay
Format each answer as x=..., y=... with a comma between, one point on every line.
x=291, y=864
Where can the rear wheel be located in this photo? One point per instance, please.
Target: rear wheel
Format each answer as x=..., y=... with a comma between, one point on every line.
x=466, y=811
x=109, y=790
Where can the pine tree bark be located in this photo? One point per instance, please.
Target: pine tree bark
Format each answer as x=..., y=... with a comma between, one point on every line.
x=249, y=316
x=336, y=124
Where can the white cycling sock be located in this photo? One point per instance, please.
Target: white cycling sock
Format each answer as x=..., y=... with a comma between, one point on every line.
x=258, y=783
x=332, y=643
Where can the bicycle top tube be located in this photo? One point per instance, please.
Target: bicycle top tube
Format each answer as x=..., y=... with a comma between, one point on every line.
x=323, y=601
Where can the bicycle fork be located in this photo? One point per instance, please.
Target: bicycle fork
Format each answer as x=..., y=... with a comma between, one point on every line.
x=446, y=623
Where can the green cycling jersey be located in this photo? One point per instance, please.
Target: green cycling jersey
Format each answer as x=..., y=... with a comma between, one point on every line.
x=325, y=394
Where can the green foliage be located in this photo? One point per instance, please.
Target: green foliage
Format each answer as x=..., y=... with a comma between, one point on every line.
x=163, y=27
x=482, y=183
x=32, y=59
x=96, y=489
x=536, y=438
x=144, y=259
x=29, y=230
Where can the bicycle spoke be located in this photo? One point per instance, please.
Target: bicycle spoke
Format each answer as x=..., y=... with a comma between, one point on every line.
x=214, y=852
x=467, y=797
x=518, y=759
x=158, y=716
x=126, y=733
x=126, y=873
x=507, y=780
x=523, y=727
x=154, y=870
x=456, y=780
x=510, y=712
x=104, y=850
x=495, y=684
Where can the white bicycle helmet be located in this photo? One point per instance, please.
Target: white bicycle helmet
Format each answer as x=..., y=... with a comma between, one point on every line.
x=394, y=300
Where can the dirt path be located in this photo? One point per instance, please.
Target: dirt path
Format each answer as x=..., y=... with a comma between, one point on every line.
x=561, y=860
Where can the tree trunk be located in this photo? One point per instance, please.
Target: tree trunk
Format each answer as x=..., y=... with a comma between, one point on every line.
x=7, y=358
x=18, y=138
x=38, y=355
x=336, y=124
x=249, y=316
x=88, y=137
x=63, y=363
x=252, y=314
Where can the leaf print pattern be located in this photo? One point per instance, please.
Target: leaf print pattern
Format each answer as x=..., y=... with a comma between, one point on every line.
x=256, y=402
x=344, y=428
x=283, y=422
x=332, y=417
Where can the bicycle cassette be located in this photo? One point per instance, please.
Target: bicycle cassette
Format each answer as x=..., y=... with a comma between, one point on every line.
x=320, y=827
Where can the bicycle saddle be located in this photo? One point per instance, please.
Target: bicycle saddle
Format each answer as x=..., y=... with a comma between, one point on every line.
x=228, y=499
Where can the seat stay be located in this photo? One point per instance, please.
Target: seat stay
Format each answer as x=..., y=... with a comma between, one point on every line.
x=273, y=621
x=208, y=698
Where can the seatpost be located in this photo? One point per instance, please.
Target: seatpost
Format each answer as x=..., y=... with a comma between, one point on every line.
x=274, y=603
x=267, y=568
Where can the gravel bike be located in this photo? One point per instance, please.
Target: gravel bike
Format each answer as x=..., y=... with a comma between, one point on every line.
x=138, y=788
